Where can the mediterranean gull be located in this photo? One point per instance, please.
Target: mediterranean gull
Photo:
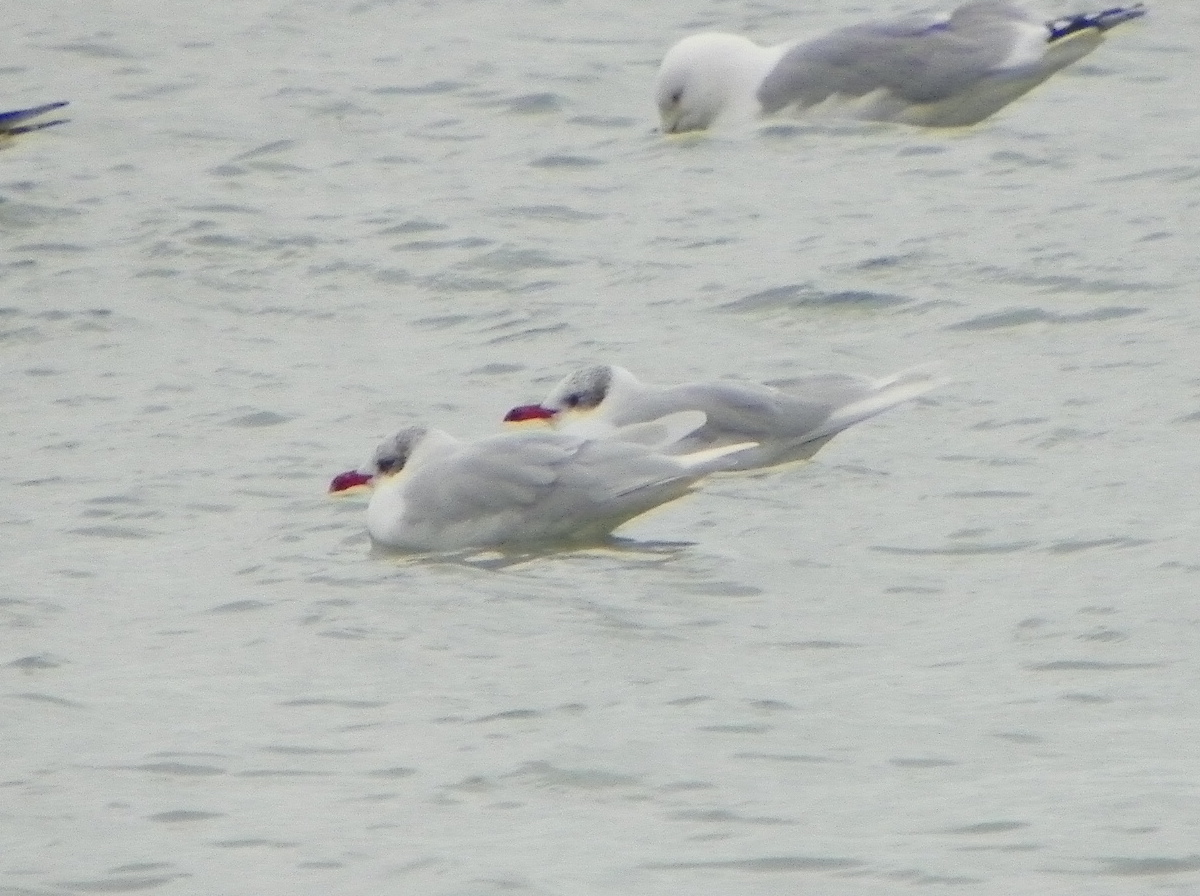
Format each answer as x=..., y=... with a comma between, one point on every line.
x=434, y=493
x=789, y=424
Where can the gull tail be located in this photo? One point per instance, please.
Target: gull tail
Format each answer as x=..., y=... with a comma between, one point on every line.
x=1100, y=21
x=696, y=465
x=12, y=123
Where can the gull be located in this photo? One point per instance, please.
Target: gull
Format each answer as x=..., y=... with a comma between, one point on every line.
x=435, y=493
x=660, y=434
x=933, y=71
x=788, y=424
x=14, y=122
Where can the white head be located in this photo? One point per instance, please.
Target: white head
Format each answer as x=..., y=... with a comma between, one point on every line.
x=708, y=76
x=586, y=402
x=395, y=452
x=391, y=457
x=408, y=450
x=590, y=391
x=396, y=460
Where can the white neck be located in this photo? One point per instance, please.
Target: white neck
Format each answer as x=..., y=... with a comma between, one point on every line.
x=386, y=517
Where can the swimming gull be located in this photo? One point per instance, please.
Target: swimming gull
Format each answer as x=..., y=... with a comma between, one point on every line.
x=433, y=492
x=789, y=424
x=933, y=71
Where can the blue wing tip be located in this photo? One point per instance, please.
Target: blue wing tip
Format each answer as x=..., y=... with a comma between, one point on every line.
x=1101, y=21
x=11, y=122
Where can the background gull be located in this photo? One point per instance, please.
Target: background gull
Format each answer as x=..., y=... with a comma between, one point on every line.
x=788, y=424
x=934, y=71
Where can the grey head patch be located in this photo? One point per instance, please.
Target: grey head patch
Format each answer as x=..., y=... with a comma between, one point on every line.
x=393, y=452
x=584, y=389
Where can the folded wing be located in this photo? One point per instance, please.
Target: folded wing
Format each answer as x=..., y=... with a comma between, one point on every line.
x=911, y=59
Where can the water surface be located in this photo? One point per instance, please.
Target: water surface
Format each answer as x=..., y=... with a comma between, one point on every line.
x=958, y=649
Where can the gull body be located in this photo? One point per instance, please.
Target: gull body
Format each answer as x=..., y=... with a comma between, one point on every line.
x=433, y=492
x=933, y=71
x=788, y=424
x=661, y=434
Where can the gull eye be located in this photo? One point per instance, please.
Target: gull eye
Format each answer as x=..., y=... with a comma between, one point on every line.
x=573, y=400
x=676, y=97
x=387, y=464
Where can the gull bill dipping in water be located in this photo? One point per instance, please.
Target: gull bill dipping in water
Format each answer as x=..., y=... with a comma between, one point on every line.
x=934, y=71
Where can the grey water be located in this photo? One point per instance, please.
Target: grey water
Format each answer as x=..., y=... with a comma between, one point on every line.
x=955, y=653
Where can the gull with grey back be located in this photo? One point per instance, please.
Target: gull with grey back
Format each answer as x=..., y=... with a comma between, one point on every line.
x=788, y=424
x=927, y=70
x=435, y=493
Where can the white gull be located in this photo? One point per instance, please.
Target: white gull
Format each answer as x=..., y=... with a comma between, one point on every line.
x=789, y=424
x=432, y=492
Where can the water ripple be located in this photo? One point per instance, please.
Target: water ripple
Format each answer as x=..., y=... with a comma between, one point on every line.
x=765, y=864
x=805, y=295
x=1018, y=317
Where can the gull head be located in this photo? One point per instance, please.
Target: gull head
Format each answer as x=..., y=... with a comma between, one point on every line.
x=393, y=455
x=708, y=76
x=582, y=391
x=582, y=395
x=396, y=452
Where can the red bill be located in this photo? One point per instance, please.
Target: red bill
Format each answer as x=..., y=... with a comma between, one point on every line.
x=528, y=412
x=350, y=479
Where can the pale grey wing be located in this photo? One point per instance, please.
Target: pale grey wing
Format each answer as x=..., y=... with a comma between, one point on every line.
x=912, y=60
x=501, y=474
x=661, y=434
x=605, y=483
x=826, y=389
x=603, y=469
x=739, y=412
x=606, y=470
